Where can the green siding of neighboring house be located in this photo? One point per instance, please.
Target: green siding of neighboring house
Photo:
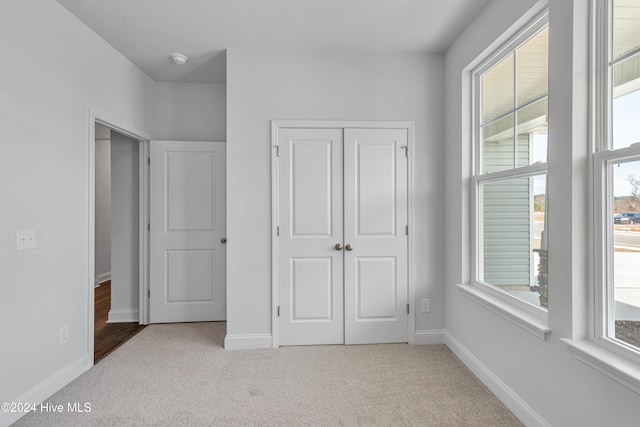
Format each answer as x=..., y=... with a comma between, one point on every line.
x=506, y=209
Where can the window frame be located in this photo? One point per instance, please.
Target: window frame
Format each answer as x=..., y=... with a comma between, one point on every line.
x=529, y=316
x=602, y=156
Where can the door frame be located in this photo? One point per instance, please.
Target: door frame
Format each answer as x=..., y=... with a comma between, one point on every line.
x=276, y=125
x=143, y=139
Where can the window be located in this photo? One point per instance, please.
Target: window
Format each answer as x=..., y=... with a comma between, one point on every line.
x=510, y=170
x=617, y=176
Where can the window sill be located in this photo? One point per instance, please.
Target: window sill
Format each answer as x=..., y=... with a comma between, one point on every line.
x=522, y=318
x=609, y=363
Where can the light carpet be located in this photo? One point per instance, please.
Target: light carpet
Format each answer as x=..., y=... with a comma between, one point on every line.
x=179, y=375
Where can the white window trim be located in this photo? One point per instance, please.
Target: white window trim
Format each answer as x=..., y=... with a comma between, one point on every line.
x=529, y=317
x=607, y=362
x=507, y=306
x=612, y=358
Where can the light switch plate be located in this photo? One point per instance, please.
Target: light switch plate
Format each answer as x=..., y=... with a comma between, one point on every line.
x=25, y=239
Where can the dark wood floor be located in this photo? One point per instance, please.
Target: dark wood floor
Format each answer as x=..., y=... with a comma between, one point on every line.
x=109, y=336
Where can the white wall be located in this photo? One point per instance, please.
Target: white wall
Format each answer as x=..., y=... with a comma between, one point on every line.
x=125, y=283
x=102, y=269
x=554, y=385
x=190, y=111
x=58, y=70
x=264, y=85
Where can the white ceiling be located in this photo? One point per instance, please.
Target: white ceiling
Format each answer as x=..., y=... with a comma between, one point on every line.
x=148, y=31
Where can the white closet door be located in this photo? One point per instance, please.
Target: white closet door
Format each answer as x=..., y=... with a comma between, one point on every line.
x=376, y=241
x=187, y=215
x=310, y=223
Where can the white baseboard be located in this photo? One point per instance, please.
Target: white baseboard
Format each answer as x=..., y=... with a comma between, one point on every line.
x=47, y=388
x=510, y=399
x=433, y=336
x=102, y=278
x=247, y=341
x=124, y=316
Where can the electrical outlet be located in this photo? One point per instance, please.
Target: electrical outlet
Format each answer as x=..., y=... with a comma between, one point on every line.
x=426, y=305
x=64, y=334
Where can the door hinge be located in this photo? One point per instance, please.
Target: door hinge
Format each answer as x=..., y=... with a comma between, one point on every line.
x=406, y=230
x=149, y=161
x=278, y=231
x=277, y=147
x=148, y=293
x=407, y=308
x=406, y=150
x=148, y=226
x=278, y=311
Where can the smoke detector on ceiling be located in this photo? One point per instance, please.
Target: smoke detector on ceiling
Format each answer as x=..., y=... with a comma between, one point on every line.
x=179, y=58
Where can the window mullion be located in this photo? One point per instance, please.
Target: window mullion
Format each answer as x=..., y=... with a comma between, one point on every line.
x=515, y=107
x=624, y=57
x=606, y=248
x=477, y=129
x=520, y=108
x=521, y=172
x=601, y=268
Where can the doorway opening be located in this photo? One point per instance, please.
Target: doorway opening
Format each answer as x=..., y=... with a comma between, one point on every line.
x=118, y=241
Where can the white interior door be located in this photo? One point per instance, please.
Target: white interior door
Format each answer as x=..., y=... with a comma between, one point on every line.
x=375, y=235
x=187, y=222
x=346, y=187
x=310, y=226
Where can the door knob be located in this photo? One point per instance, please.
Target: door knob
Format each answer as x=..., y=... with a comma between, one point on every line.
x=223, y=240
x=349, y=247
x=338, y=246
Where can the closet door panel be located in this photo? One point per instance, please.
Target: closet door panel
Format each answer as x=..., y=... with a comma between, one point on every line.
x=311, y=224
x=375, y=213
